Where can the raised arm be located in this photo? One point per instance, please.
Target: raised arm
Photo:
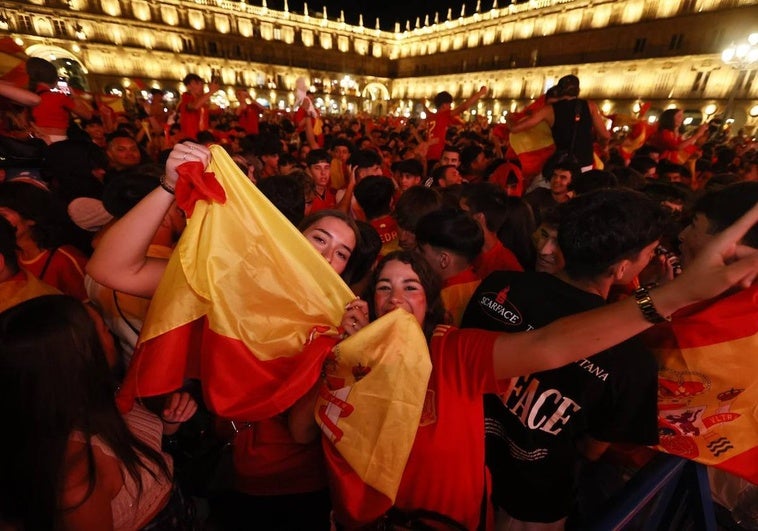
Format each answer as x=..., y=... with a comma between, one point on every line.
x=545, y=114
x=722, y=265
x=19, y=95
x=469, y=102
x=120, y=259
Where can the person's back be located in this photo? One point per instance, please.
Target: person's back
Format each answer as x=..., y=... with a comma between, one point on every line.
x=572, y=129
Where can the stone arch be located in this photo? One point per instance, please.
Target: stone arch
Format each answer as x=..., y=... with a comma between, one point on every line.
x=69, y=65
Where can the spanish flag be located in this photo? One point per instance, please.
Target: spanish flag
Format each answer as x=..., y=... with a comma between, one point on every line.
x=533, y=146
x=242, y=295
x=369, y=410
x=13, y=63
x=708, y=383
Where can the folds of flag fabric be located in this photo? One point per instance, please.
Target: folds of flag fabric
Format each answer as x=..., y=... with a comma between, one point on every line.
x=708, y=383
x=13, y=63
x=533, y=146
x=242, y=292
x=369, y=410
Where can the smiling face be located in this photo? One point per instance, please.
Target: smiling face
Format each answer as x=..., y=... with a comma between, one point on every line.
x=549, y=255
x=559, y=182
x=398, y=286
x=333, y=239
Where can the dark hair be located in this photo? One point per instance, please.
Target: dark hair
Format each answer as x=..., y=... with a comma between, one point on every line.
x=450, y=148
x=374, y=195
x=40, y=71
x=724, y=206
x=315, y=156
x=118, y=133
x=287, y=195
x=364, y=158
x=453, y=230
x=516, y=230
x=642, y=163
x=409, y=166
x=310, y=219
x=342, y=141
x=600, y=228
x=189, y=78
x=52, y=227
x=593, y=180
x=54, y=380
x=414, y=203
x=441, y=98
x=365, y=253
x=128, y=188
x=666, y=119
x=206, y=137
x=430, y=281
x=561, y=160
x=568, y=86
x=439, y=171
x=488, y=199
x=8, y=247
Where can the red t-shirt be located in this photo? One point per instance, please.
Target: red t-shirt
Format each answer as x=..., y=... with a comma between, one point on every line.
x=329, y=201
x=386, y=226
x=191, y=121
x=267, y=461
x=53, y=110
x=499, y=258
x=65, y=270
x=438, y=124
x=249, y=120
x=445, y=471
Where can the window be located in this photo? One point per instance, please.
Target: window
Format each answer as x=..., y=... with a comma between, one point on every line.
x=25, y=24
x=187, y=45
x=676, y=41
x=212, y=48
x=639, y=45
x=59, y=27
x=696, y=83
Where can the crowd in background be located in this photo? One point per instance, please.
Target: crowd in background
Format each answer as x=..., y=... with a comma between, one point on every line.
x=457, y=192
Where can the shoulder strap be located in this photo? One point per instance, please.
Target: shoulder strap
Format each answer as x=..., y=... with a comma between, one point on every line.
x=575, y=123
x=121, y=313
x=47, y=262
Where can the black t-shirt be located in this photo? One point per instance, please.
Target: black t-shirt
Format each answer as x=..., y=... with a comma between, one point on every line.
x=533, y=425
x=573, y=120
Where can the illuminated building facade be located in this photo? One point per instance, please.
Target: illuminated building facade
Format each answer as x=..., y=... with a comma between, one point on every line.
x=666, y=52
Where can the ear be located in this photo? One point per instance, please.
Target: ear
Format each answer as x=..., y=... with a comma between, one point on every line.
x=444, y=259
x=618, y=270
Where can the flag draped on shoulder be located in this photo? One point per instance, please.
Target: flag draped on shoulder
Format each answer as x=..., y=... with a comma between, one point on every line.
x=242, y=294
x=369, y=411
x=708, y=383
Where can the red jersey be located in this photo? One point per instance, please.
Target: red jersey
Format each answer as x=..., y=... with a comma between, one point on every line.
x=249, y=119
x=386, y=226
x=53, y=110
x=499, y=258
x=267, y=461
x=327, y=202
x=64, y=270
x=191, y=121
x=438, y=124
x=451, y=429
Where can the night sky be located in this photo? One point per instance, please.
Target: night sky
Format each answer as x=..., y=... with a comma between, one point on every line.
x=388, y=11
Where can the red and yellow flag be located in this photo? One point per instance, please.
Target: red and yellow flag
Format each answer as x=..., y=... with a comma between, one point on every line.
x=241, y=294
x=708, y=383
x=369, y=411
x=13, y=63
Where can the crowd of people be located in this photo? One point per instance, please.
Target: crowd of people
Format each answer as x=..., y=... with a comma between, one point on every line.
x=533, y=286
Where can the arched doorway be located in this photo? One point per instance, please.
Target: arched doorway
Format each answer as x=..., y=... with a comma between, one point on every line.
x=69, y=66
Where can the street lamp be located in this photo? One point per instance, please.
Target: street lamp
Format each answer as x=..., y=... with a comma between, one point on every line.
x=742, y=56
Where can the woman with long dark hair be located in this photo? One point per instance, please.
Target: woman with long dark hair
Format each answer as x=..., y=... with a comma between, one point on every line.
x=668, y=139
x=72, y=461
